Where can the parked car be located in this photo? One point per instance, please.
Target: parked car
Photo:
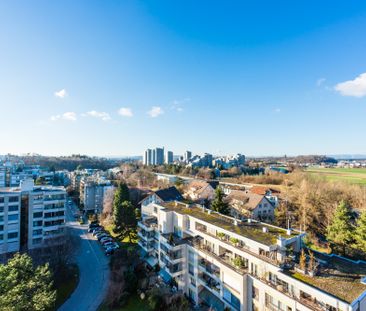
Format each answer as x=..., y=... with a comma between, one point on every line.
x=98, y=230
x=112, y=245
x=103, y=235
x=109, y=251
x=106, y=239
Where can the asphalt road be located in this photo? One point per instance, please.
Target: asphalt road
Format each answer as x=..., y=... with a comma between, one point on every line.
x=93, y=268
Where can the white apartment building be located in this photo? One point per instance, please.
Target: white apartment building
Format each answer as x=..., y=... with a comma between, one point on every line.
x=92, y=193
x=226, y=264
x=31, y=216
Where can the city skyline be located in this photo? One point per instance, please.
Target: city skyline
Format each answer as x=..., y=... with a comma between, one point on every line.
x=111, y=79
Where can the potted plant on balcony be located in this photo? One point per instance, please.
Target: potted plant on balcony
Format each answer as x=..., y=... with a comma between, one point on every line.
x=220, y=235
x=171, y=239
x=238, y=262
x=234, y=241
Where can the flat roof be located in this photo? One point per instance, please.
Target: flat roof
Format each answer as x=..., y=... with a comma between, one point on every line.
x=252, y=230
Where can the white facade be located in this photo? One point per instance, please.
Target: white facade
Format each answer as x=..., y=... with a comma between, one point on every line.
x=225, y=264
x=31, y=216
x=92, y=193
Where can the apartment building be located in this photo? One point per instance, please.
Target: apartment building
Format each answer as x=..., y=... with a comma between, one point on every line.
x=31, y=216
x=92, y=193
x=226, y=264
x=169, y=159
x=154, y=156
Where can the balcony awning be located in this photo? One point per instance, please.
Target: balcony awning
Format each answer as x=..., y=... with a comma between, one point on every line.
x=165, y=276
x=211, y=300
x=152, y=261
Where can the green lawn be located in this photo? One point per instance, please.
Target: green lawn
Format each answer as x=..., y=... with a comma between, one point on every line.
x=65, y=288
x=350, y=175
x=134, y=304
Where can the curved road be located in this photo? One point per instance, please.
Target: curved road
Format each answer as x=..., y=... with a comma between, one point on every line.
x=93, y=270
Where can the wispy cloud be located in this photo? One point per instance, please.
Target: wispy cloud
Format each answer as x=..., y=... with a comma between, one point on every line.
x=277, y=110
x=67, y=116
x=98, y=114
x=178, y=104
x=61, y=94
x=320, y=81
x=155, y=111
x=355, y=88
x=125, y=112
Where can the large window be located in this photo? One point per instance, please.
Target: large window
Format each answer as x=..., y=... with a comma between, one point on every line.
x=231, y=298
x=13, y=217
x=13, y=199
x=38, y=215
x=2, y=200
x=13, y=208
x=37, y=232
x=37, y=223
x=12, y=235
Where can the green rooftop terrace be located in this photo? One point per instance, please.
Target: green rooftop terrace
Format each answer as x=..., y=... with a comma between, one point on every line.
x=253, y=230
x=346, y=287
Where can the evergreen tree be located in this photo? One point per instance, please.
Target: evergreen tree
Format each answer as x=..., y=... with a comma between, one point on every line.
x=360, y=232
x=23, y=287
x=124, y=215
x=218, y=204
x=340, y=231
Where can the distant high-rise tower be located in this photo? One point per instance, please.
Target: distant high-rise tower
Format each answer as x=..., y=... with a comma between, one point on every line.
x=159, y=156
x=187, y=156
x=169, y=157
x=148, y=157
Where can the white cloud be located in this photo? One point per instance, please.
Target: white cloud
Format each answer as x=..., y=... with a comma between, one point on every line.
x=61, y=94
x=320, y=81
x=178, y=103
x=356, y=87
x=67, y=116
x=155, y=111
x=125, y=112
x=98, y=114
x=277, y=110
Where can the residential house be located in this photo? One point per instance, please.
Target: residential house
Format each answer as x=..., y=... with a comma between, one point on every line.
x=245, y=204
x=162, y=195
x=201, y=191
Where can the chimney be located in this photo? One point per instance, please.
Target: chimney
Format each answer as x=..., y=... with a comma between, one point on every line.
x=289, y=231
x=265, y=229
x=235, y=222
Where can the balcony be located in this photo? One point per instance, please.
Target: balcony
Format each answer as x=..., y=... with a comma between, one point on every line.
x=145, y=235
x=147, y=246
x=148, y=224
x=224, y=259
x=209, y=268
x=272, y=260
x=210, y=283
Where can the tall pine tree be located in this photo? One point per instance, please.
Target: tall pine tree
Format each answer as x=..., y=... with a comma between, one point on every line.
x=340, y=232
x=360, y=232
x=124, y=216
x=218, y=204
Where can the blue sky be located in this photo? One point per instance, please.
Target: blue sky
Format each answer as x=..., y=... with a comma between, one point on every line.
x=116, y=77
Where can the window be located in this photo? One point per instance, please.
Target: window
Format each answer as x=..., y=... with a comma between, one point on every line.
x=37, y=223
x=231, y=299
x=2, y=200
x=1, y=218
x=191, y=269
x=37, y=215
x=37, y=241
x=1, y=227
x=13, y=199
x=37, y=232
x=12, y=235
x=1, y=209
x=13, y=217
x=13, y=208
x=255, y=293
x=193, y=281
x=1, y=237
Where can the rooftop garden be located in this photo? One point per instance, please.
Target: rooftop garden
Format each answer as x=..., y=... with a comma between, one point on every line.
x=343, y=286
x=253, y=230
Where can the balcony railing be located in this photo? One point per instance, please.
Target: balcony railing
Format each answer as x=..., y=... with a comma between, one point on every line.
x=243, y=248
x=222, y=259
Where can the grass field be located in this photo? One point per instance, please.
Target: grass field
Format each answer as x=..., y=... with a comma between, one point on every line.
x=134, y=304
x=351, y=175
